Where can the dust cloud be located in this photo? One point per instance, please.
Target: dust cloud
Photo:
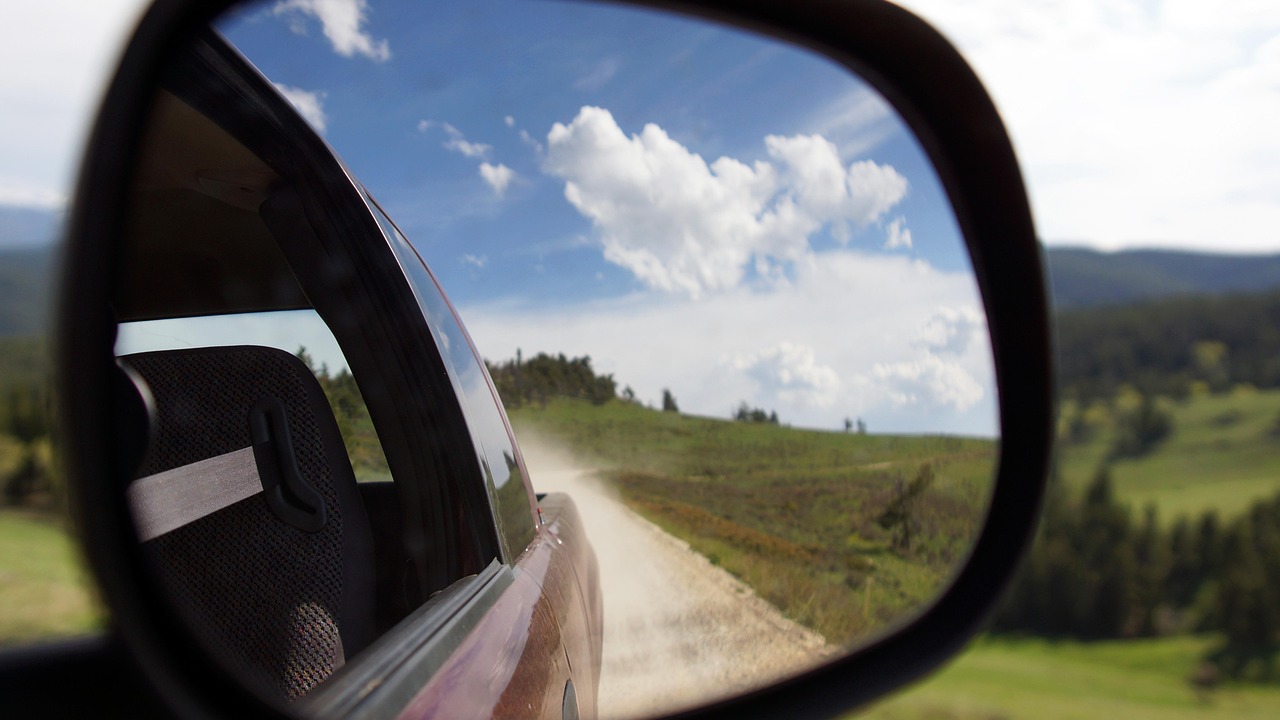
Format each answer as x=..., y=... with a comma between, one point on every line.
x=678, y=631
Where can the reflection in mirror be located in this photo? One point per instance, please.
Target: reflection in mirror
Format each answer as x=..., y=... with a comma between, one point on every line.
x=720, y=292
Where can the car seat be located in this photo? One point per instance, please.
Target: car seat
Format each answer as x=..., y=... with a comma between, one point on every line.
x=247, y=506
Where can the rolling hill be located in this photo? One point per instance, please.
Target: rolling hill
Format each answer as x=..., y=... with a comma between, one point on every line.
x=1085, y=278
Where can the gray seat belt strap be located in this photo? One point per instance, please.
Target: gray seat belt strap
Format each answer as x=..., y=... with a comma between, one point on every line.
x=171, y=499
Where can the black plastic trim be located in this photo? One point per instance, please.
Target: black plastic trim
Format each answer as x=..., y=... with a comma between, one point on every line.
x=288, y=494
x=386, y=677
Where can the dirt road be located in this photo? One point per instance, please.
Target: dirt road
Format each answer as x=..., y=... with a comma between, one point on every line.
x=678, y=630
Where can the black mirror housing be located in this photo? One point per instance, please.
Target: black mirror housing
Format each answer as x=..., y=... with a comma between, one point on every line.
x=930, y=86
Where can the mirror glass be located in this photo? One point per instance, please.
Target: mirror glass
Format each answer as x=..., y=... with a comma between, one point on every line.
x=720, y=291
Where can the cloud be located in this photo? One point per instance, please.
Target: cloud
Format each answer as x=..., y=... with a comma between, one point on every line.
x=826, y=190
x=682, y=225
x=897, y=235
x=55, y=57
x=857, y=122
x=929, y=383
x=341, y=21
x=599, y=76
x=458, y=143
x=309, y=104
x=1136, y=124
x=791, y=373
x=952, y=329
x=529, y=140
x=510, y=121
x=19, y=194
x=498, y=176
x=476, y=261
x=809, y=349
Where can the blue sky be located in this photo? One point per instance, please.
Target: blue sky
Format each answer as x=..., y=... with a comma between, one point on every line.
x=697, y=209
x=417, y=117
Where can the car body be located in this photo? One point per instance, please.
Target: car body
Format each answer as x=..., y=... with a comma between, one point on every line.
x=486, y=597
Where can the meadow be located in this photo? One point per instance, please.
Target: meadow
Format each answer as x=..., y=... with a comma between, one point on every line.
x=800, y=515
x=1013, y=678
x=1223, y=454
x=44, y=590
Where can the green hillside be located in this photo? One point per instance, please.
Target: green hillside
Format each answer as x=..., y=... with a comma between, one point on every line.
x=824, y=525
x=44, y=589
x=1033, y=679
x=1170, y=347
x=26, y=287
x=1223, y=453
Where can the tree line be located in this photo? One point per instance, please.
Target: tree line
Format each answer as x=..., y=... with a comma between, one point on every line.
x=1095, y=573
x=542, y=377
x=1170, y=347
x=27, y=477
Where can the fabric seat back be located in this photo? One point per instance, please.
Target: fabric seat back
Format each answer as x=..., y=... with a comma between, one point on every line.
x=247, y=505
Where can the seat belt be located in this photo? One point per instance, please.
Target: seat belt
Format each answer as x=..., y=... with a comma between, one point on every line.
x=168, y=500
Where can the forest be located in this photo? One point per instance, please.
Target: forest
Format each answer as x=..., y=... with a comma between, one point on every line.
x=1172, y=347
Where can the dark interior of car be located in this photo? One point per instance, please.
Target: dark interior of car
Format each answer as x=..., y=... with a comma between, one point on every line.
x=197, y=245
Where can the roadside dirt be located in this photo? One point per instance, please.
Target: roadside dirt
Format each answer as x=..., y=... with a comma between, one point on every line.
x=678, y=630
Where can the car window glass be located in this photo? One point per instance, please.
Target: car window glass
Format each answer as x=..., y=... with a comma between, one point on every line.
x=300, y=332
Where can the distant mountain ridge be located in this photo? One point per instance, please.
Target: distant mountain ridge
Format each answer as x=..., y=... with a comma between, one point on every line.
x=25, y=228
x=1081, y=277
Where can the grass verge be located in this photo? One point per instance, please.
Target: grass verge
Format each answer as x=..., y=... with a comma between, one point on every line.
x=44, y=589
x=1034, y=678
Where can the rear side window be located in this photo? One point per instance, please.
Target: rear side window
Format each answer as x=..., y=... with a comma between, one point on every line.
x=300, y=332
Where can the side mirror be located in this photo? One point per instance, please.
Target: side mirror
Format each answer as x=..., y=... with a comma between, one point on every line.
x=915, y=69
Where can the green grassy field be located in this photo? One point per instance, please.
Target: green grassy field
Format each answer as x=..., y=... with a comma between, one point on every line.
x=1042, y=680
x=794, y=513
x=1221, y=455
x=44, y=592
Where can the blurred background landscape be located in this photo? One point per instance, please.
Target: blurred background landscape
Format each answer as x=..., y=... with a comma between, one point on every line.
x=1153, y=589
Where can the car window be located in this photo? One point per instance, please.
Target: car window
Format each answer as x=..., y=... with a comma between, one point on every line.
x=301, y=332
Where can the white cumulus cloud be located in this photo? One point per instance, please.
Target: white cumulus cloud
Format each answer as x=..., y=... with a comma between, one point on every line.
x=897, y=235
x=826, y=190
x=498, y=176
x=1136, y=123
x=309, y=104
x=929, y=383
x=792, y=374
x=952, y=329
x=55, y=56
x=476, y=261
x=684, y=225
x=458, y=142
x=342, y=22
x=810, y=348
